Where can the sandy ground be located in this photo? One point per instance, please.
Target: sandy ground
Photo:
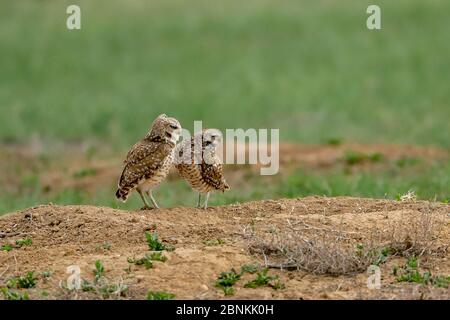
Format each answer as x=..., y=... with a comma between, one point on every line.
x=206, y=243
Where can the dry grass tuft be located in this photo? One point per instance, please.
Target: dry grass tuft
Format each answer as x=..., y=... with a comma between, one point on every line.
x=417, y=233
x=326, y=247
x=319, y=250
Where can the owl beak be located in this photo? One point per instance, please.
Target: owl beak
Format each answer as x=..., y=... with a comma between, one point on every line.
x=176, y=135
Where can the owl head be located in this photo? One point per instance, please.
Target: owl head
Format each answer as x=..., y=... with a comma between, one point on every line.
x=166, y=128
x=199, y=148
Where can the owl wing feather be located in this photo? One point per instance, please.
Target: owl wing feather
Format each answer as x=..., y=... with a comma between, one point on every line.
x=142, y=161
x=213, y=175
x=210, y=172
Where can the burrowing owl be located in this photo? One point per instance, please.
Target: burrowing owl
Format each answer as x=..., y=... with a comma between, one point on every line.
x=200, y=166
x=148, y=161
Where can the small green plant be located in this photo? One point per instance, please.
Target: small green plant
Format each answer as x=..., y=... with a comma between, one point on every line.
x=407, y=161
x=27, y=281
x=409, y=273
x=107, y=245
x=24, y=242
x=109, y=290
x=87, y=286
x=277, y=285
x=228, y=291
x=382, y=256
x=153, y=243
x=46, y=274
x=359, y=249
x=440, y=281
x=85, y=172
x=394, y=270
x=213, y=242
x=376, y=157
x=228, y=279
x=105, y=289
x=249, y=268
x=354, y=157
x=412, y=262
x=334, y=141
x=127, y=269
x=99, y=271
x=158, y=256
x=19, y=243
x=6, y=247
x=159, y=295
x=261, y=279
x=145, y=261
x=12, y=295
x=413, y=276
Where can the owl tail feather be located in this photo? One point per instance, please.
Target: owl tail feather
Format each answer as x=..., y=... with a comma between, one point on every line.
x=122, y=194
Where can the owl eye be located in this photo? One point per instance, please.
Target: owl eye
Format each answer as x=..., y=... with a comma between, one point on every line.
x=173, y=126
x=208, y=143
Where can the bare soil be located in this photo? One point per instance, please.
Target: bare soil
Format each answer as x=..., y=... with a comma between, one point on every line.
x=206, y=243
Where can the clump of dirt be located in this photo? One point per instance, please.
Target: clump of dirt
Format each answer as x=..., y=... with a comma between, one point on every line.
x=206, y=243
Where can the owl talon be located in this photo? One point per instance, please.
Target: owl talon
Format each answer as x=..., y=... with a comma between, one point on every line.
x=199, y=200
x=150, y=194
x=205, y=205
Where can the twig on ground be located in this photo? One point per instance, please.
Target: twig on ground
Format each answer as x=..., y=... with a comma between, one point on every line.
x=15, y=262
x=4, y=271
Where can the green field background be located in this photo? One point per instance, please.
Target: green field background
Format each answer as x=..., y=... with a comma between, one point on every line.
x=310, y=68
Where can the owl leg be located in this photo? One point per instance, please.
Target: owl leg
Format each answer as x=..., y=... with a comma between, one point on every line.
x=147, y=206
x=205, y=205
x=199, y=200
x=150, y=194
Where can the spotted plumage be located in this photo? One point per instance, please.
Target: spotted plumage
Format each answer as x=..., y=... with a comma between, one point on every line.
x=148, y=162
x=198, y=164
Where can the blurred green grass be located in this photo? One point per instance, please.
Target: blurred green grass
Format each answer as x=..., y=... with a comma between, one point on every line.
x=427, y=182
x=310, y=68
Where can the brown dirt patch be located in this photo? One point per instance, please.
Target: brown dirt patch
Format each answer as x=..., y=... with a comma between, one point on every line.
x=76, y=235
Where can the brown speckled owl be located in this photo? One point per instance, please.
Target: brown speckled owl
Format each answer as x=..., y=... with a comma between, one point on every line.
x=148, y=162
x=198, y=164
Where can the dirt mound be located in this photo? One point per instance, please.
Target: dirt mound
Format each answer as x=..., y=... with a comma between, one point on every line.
x=205, y=244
